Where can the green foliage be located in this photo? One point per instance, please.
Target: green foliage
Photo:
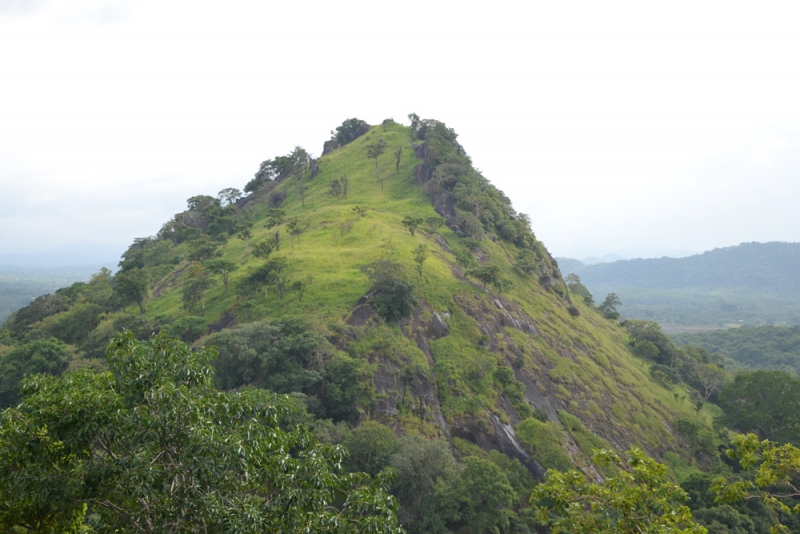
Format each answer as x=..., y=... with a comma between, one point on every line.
x=223, y=268
x=641, y=500
x=188, y=328
x=350, y=130
x=370, y=446
x=374, y=150
x=412, y=223
x=420, y=255
x=132, y=286
x=545, y=442
x=154, y=448
x=489, y=274
x=751, y=284
x=773, y=469
x=426, y=472
x=575, y=286
x=41, y=307
x=771, y=348
x=50, y=356
x=486, y=496
x=287, y=356
x=435, y=222
x=194, y=288
x=609, y=306
x=763, y=402
x=393, y=294
x=587, y=442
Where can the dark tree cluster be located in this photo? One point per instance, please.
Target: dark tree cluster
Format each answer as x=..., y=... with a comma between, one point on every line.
x=279, y=168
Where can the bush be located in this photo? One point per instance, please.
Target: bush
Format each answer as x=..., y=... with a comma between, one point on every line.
x=664, y=374
x=393, y=294
x=545, y=442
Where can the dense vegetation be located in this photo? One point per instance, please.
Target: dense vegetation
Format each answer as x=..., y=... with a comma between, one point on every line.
x=762, y=347
x=751, y=284
x=400, y=308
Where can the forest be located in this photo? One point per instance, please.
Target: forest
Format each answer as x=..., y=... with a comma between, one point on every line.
x=748, y=284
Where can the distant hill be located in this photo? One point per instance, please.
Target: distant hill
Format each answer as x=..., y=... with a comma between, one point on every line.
x=752, y=283
x=773, y=348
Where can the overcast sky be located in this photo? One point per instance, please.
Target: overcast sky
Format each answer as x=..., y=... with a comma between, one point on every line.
x=616, y=126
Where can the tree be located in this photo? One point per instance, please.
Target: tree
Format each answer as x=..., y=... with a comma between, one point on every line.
x=412, y=223
x=426, y=472
x=295, y=228
x=574, y=284
x=380, y=175
x=245, y=233
x=229, y=195
x=152, y=447
x=132, y=286
x=527, y=261
x=398, y=155
x=487, y=496
x=393, y=295
x=335, y=188
x=202, y=249
x=420, y=255
x=275, y=216
x=639, y=501
x=300, y=288
x=50, y=356
x=223, y=268
x=489, y=274
x=773, y=471
x=188, y=329
x=370, y=446
x=222, y=239
x=194, y=289
x=300, y=160
x=302, y=190
x=350, y=130
x=345, y=183
x=712, y=378
x=278, y=276
x=766, y=403
x=374, y=150
x=609, y=307
x=435, y=222
x=415, y=124
x=263, y=249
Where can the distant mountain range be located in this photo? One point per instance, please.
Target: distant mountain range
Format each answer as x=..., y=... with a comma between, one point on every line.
x=752, y=283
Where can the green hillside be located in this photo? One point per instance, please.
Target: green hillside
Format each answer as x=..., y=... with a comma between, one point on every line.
x=751, y=284
x=460, y=332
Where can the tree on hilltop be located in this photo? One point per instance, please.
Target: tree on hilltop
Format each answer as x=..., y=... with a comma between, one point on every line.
x=229, y=195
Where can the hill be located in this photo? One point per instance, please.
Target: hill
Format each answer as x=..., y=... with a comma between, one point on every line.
x=752, y=284
x=403, y=303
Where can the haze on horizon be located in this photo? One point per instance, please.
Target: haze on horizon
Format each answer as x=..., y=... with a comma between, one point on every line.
x=616, y=126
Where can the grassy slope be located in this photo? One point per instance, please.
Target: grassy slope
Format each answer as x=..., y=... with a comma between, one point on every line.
x=584, y=360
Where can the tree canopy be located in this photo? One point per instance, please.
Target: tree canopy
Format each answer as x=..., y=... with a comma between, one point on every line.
x=151, y=446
